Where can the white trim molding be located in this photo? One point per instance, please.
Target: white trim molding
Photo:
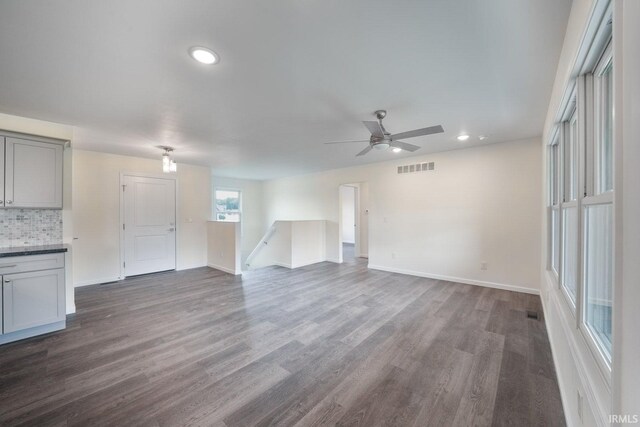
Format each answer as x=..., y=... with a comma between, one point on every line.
x=494, y=285
x=225, y=269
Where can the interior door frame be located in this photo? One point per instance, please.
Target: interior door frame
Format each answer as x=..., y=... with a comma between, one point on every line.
x=357, y=206
x=124, y=174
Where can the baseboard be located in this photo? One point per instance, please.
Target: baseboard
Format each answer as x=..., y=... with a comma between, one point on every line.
x=71, y=309
x=225, y=269
x=96, y=282
x=336, y=260
x=503, y=286
x=305, y=263
x=283, y=264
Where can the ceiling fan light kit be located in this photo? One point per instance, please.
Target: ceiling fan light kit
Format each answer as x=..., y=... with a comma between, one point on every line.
x=381, y=139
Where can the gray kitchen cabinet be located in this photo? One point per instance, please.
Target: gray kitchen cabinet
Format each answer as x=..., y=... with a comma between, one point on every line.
x=32, y=292
x=32, y=299
x=32, y=173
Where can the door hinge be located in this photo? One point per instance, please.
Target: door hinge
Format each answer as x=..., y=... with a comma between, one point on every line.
x=124, y=186
x=123, y=227
x=124, y=264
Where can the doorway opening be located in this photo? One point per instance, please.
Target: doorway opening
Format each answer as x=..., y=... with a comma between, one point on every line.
x=148, y=218
x=353, y=227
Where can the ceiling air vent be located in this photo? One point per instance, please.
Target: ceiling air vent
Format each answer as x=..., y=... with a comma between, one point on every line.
x=418, y=167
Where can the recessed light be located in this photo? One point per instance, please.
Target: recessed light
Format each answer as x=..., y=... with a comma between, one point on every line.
x=204, y=55
x=463, y=137
x=397, y=150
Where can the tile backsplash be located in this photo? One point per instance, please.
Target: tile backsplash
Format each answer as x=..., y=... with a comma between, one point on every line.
x=30, y=227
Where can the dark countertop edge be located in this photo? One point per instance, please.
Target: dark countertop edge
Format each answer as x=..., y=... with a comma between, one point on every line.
x=33, y=250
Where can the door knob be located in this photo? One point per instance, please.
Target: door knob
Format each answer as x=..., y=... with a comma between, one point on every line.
x=9, y=202
x=1, y=202
x=171, y=229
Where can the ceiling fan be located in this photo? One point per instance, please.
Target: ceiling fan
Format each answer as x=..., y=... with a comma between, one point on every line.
x=381, y=139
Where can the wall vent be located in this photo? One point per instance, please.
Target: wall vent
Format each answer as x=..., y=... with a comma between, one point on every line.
x=417, y=167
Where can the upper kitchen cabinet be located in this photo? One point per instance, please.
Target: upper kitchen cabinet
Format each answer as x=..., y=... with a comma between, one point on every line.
x=32, y=173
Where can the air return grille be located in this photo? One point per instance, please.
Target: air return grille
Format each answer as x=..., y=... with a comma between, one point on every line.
x=418, y=167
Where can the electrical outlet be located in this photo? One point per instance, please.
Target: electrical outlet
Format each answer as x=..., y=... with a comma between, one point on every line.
x=483, y=265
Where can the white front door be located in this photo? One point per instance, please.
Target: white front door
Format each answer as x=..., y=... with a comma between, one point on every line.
x=149, y=225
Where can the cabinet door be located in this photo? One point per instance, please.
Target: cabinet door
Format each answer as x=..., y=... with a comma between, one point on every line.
x=1, y=174
x=32, y=299
x=33, y=174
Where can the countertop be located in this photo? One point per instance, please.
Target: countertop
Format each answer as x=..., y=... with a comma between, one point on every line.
x=32, y=250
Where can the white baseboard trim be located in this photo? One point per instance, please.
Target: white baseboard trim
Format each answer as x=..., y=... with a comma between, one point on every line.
x=305, y=263
x=225, y=269
x=71, y=309
x=190, y=267
x=503, y=286
x=336, y=260
x=96, y=282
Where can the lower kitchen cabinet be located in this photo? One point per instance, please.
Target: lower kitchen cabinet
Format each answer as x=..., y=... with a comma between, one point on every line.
x=32, y=299
x=33, y=296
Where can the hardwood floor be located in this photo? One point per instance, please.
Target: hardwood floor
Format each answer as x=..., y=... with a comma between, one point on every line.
x=325, y=344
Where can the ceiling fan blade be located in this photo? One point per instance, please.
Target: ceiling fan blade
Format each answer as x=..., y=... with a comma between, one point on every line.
x=344, y=142
x=404, y=146
x=375, y=128
x=418, y=132
x=363, y=152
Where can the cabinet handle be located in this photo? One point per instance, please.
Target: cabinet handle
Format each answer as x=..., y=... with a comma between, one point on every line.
x=8, y=266
x=7, y=281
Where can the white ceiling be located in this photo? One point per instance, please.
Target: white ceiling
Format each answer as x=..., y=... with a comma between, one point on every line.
x=293, y=74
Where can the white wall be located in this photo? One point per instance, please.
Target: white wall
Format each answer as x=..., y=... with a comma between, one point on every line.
x=308, y=244
x=292, y=244
x=626, y=375
x=479, y=205
x=253, y=222
x=575, y=365
x=348, y=203
x=223, y=246
x=96, y=213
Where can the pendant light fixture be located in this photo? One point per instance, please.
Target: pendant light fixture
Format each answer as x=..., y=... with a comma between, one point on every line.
x=168, y=164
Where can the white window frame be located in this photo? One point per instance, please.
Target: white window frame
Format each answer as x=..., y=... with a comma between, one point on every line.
x=555, y=183
x=593, y=196
x=569, y=146
x=585, y=108
x=603, y=63
x=215, y=205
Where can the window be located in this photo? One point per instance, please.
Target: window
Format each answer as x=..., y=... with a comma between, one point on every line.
x=554, y=204
x=569, y=208
x=604, y=125
x=581, y=208
x=228, y=205
x=598, y=214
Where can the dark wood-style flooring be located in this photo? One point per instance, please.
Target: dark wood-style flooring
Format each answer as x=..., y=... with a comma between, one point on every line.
x=325, y=344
